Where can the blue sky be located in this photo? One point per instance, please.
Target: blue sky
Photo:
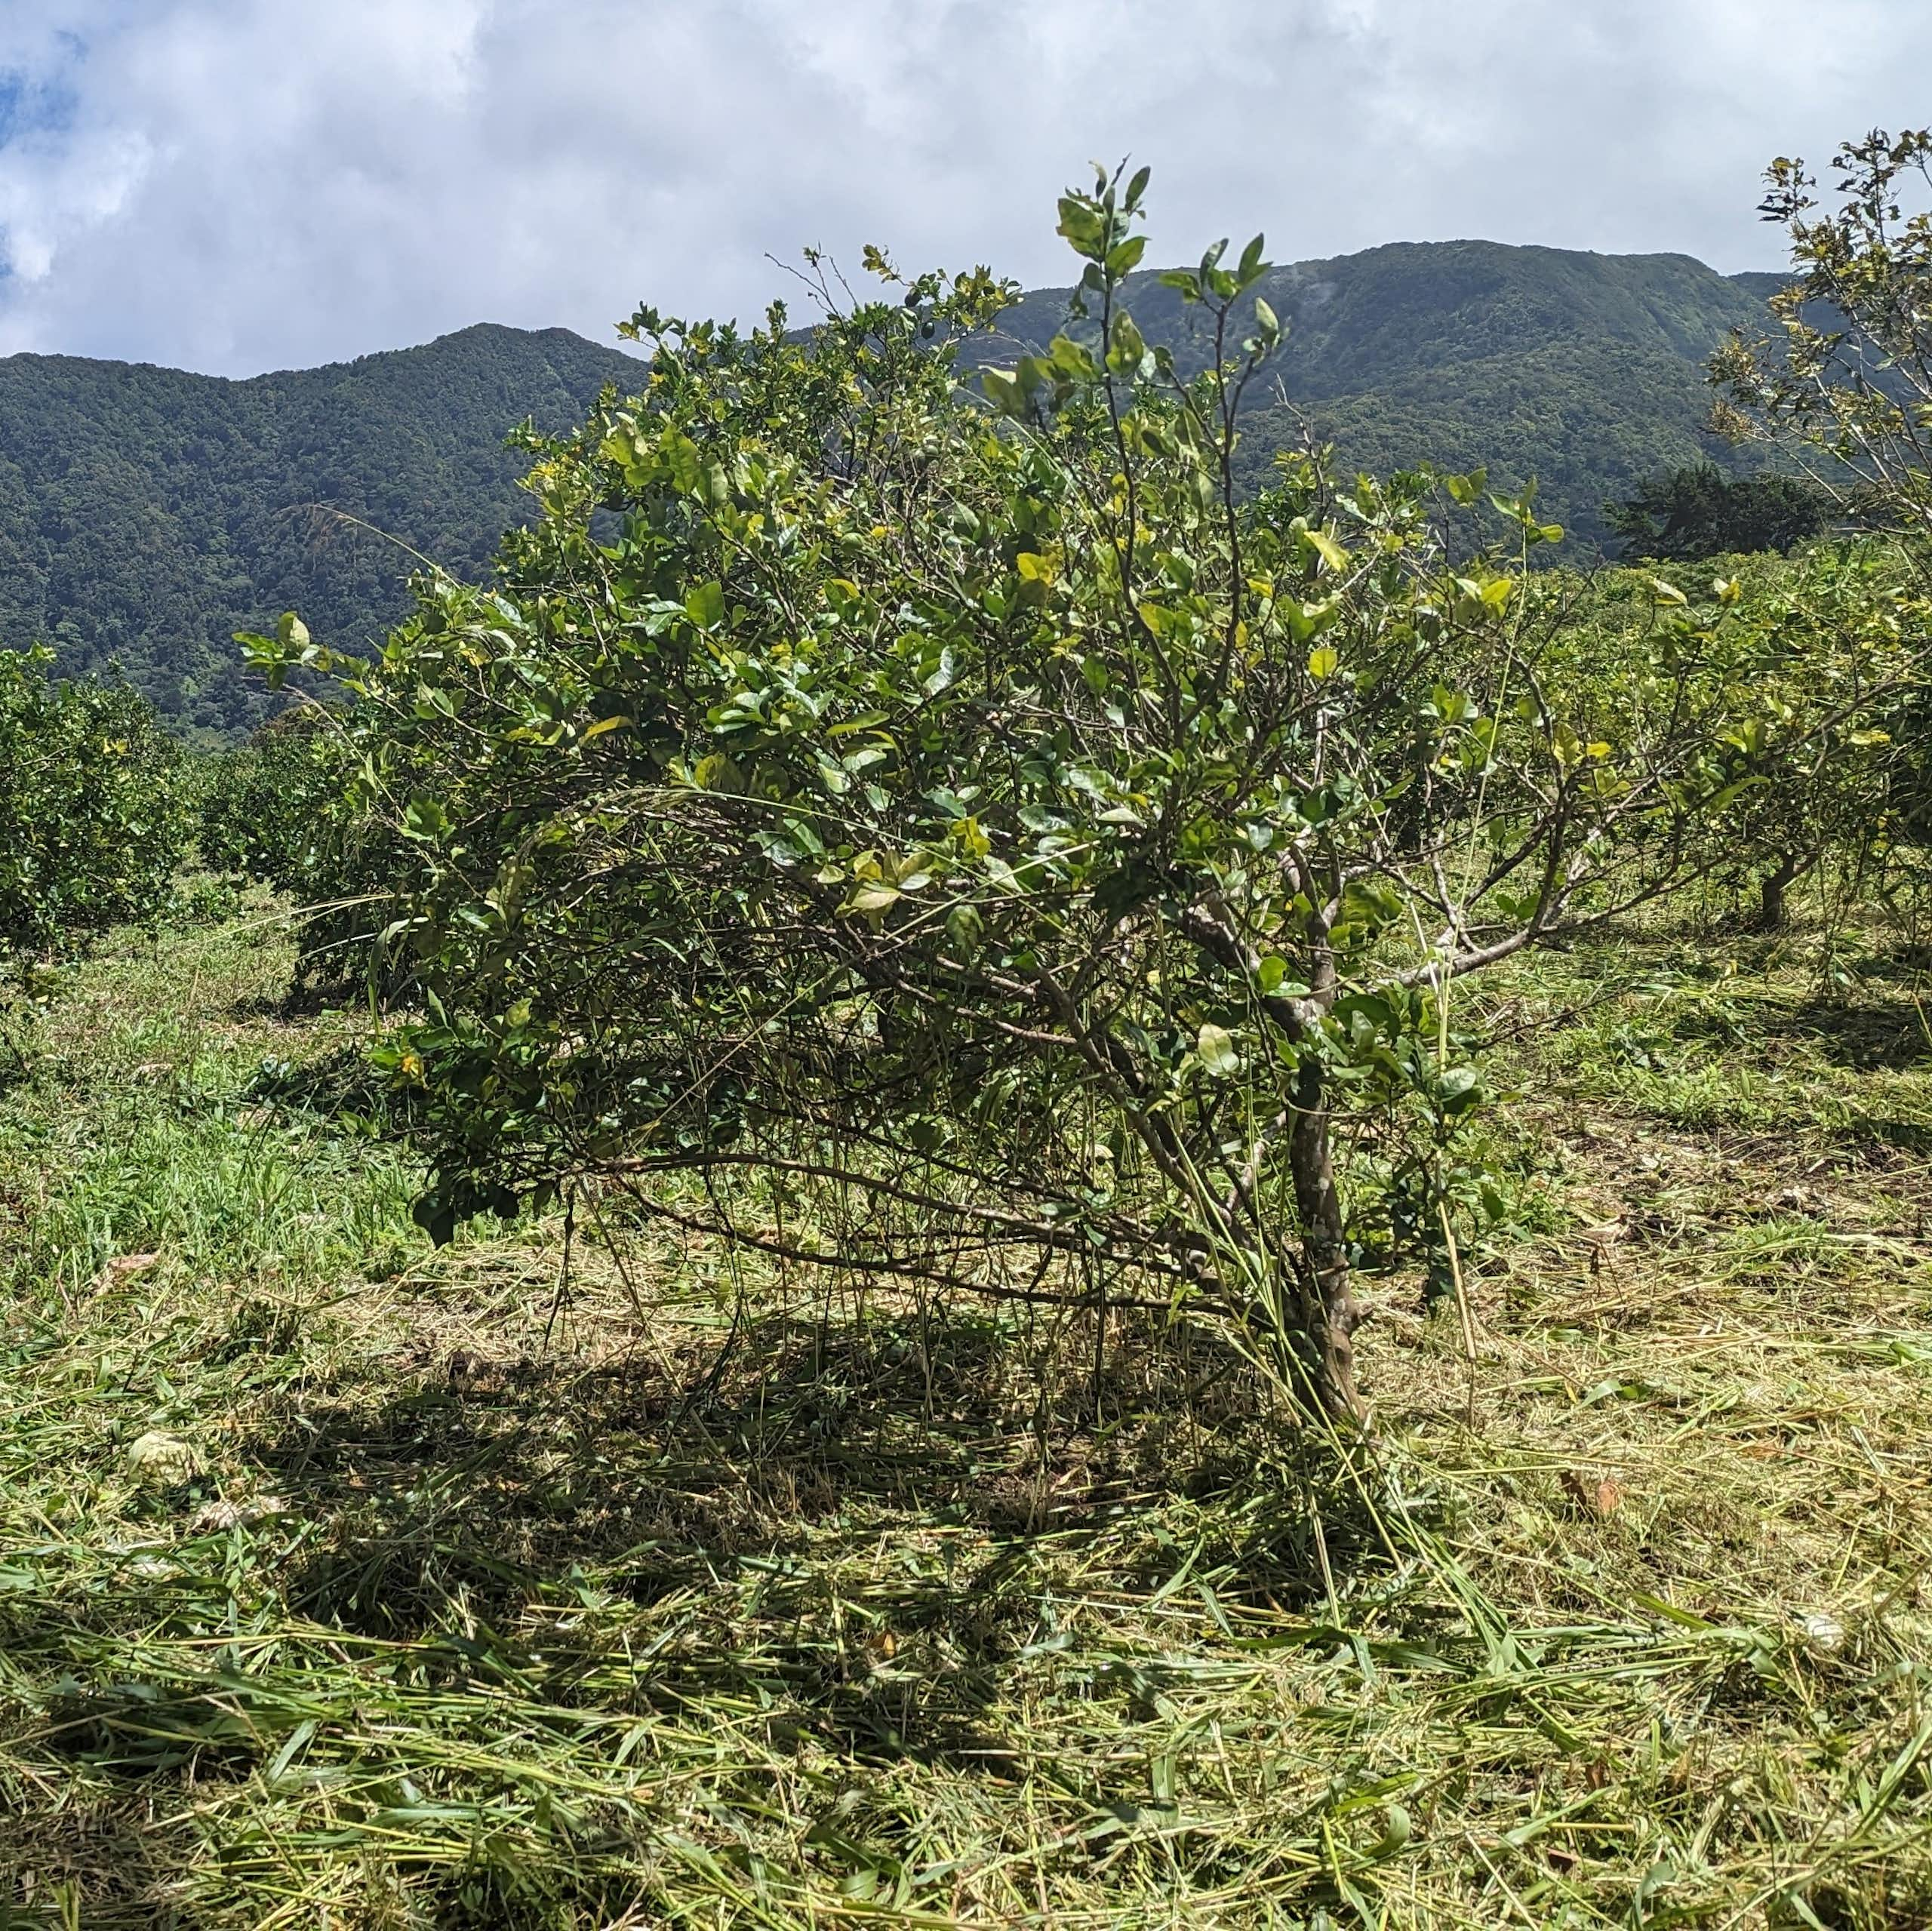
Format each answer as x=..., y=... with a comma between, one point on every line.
x=35, y=104
x=237, y=185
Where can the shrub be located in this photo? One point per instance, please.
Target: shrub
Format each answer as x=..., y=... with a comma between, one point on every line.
x=93, y=813
x=270, y=813
x=969, y=819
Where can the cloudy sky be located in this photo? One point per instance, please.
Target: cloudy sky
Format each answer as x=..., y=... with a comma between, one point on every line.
x=239, y=185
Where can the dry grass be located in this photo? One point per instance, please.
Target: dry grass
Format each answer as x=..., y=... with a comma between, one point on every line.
x=695, y=1598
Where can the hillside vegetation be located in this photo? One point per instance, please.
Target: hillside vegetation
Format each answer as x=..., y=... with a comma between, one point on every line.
x=1584, y=372
x=146, y=514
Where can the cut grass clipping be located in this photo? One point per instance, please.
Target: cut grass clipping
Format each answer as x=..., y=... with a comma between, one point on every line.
x=347, y=1583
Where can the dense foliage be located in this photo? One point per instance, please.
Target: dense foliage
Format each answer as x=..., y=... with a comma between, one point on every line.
x=269, y=811
x=1831, y=641
x=146, y=514
x=1694, y=514
x=93, y=811
x=992, y=827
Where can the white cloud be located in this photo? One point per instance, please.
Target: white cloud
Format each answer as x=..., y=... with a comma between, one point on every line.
x=239, y=184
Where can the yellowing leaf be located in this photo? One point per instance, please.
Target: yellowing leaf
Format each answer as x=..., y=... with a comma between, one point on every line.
x=1326, y=548
x=1218, y=1053
x=1324, y=662
x=967, y=835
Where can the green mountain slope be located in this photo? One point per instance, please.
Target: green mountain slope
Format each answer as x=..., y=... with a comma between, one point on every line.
x=1583, y=370
x=146, y=515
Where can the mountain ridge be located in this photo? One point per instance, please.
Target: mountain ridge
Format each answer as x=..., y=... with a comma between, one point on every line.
x=1582, y=370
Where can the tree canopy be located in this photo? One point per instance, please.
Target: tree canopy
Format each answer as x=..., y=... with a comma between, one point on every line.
x=146, y=513
x=93, y=811
x=1690, y=514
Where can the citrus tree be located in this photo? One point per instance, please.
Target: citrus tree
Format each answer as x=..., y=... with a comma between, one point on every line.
x=947, y=833
x=1848, y=376
x=1845, y=385
x=269, y=812
x=1823, y=651
x=93, y=813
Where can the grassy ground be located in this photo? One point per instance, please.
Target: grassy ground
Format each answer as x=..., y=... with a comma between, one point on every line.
x=347, y=1583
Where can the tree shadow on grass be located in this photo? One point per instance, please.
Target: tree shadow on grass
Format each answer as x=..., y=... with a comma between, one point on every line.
x=861, y=1542
x=1863, y=1035
x=857, y=1527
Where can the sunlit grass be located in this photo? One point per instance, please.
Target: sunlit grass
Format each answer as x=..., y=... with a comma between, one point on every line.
x=343, y=1582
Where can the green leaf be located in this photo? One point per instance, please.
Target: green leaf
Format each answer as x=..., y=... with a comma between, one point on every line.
x=1272, y=976
x=1081, y=223
x=425, y=819
x=965, y=932
x=1004, y=392
x=705, y=606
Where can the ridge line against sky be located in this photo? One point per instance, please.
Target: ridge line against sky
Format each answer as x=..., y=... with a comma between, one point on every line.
x=239, y=186
x=1065, y=285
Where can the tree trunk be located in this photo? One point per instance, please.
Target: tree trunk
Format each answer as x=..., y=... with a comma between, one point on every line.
x=1771, y=891
x=1325, y=1314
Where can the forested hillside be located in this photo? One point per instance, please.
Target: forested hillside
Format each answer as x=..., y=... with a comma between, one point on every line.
x=1585, y=371
x=146, y=515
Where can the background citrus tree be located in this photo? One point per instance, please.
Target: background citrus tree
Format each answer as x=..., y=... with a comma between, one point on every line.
x=93, y=808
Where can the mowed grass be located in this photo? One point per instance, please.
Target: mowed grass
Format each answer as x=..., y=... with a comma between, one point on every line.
x=344, y=1583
